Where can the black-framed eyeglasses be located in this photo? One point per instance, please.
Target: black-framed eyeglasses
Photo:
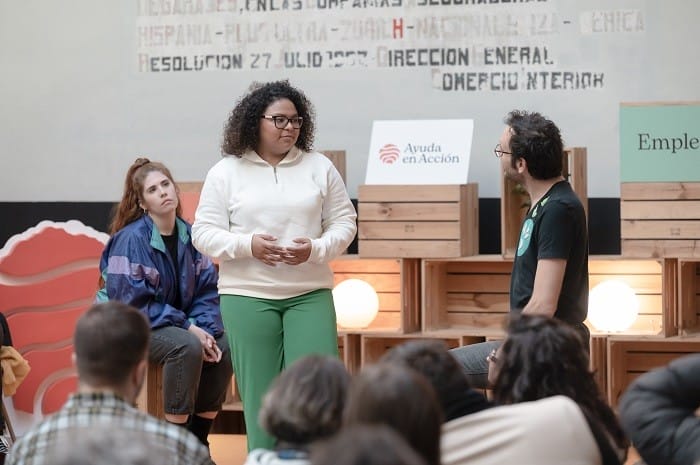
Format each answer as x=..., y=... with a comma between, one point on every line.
x=281, y=122
x=498, y=152
x=491, y=357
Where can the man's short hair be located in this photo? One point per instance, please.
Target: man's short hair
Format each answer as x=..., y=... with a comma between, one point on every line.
x=110, y=339
x=537, y=140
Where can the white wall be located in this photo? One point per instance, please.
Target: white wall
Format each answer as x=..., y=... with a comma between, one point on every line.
x=75, y=110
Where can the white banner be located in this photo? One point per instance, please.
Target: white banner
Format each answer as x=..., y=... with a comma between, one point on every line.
x=420, y=152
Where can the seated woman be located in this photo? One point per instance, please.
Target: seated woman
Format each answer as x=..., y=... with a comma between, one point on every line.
x=543, y=357
x=151, y=264
x=304, y=404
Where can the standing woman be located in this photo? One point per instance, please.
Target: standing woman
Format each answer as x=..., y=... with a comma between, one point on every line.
x=150, y=263
x=274, y=214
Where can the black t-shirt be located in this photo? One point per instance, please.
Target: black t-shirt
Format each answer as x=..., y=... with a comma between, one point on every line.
x=171, y=244
x=555, y=227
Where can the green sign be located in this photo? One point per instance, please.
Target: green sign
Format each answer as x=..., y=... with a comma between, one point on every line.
x=660, y=142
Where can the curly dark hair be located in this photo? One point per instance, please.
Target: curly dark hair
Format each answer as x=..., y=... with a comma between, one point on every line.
x=242, y=130
x=544, y=357
x=537, y=140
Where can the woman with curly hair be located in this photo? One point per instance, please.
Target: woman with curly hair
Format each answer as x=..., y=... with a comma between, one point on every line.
x=544, y=357
x=274, y=214
x=151, y=264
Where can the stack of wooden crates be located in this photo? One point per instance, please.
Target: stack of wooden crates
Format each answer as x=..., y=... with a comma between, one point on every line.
x=418, y=246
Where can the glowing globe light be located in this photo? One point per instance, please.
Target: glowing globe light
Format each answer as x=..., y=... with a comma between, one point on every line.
x=612, y=306
x=356, y=303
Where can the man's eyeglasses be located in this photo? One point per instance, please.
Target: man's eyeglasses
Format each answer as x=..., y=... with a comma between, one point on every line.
x=499, y=153
x=281, y=122
x=491, y=357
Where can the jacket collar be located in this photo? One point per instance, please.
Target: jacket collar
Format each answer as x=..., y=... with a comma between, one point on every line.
x=292, y=156
x=157, y=240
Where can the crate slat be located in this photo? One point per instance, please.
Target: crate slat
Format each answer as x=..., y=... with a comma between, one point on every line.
x=408, y=211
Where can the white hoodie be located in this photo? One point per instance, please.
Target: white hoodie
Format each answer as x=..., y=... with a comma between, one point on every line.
x=303, y=196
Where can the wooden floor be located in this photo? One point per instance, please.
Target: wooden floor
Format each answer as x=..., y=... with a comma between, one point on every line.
x=230, y=449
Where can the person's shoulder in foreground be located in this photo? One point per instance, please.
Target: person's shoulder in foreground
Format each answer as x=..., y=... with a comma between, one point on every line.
x=659, y=413
x=543, y=432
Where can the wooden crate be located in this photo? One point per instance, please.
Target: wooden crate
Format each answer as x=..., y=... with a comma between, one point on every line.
x=337, y=157
x=515, y=201
x=689, y=297
x=660, y=219
x=397, y=283
x=630, y=357
x=375, y=345
x=189, y=198
x=653, y=281
x=469, y=294
x=418, y=221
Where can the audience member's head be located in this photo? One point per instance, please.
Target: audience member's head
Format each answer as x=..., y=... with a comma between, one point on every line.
x=103, y=445
x=399, y=397
x=305, y=403
x=543, y=357
x=111, y=341
x=365, y=445
x=432, y=359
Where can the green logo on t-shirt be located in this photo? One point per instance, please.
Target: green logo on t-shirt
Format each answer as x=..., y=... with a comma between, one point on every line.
x=525, y=236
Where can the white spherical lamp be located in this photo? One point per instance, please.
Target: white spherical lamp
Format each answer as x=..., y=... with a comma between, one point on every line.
x=356, y=303
x=612, y=306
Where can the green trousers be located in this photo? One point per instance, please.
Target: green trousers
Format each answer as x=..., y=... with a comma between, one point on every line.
x=266, y=336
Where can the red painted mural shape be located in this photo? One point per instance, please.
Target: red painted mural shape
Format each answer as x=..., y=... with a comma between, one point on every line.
x=48, y=278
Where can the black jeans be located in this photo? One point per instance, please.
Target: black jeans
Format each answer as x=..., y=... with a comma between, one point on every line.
x=190, y=385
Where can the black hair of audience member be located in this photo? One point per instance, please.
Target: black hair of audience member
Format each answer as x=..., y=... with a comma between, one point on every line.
x=306, y=401
x=432, y=359
x=365, y=445
x=543, y=357
x=399, y=397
